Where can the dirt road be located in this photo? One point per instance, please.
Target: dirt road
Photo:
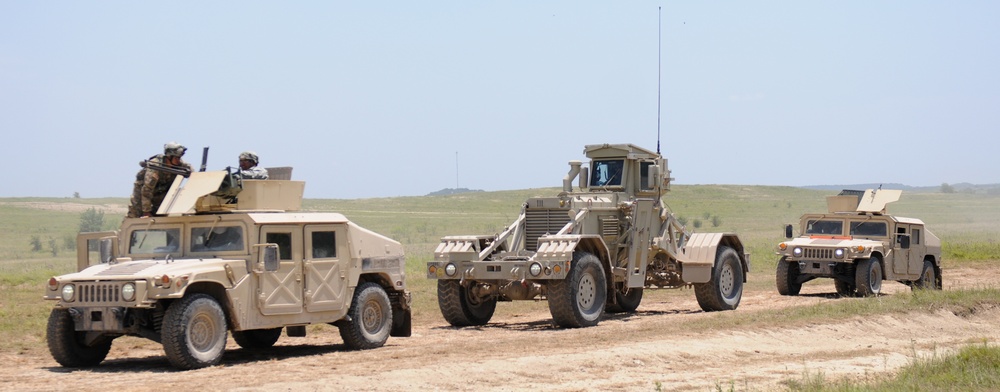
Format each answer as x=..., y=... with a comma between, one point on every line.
x=522, y=350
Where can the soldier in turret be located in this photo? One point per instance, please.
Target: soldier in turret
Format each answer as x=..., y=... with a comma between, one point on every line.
x=248, y=167
x=153, y=181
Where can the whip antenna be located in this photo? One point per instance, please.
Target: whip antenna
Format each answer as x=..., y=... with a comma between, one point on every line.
x=659, y=56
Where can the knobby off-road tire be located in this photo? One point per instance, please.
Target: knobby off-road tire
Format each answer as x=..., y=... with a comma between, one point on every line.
x=928, y=278
x=66, y=344
x=627, y=302
x=370, y=318
x=194, y=332
x=257, y=338
x=460, y=308
x=845, y=289
x=579, y=300
x=725, y=289
x=868, y=277
x=786, y=278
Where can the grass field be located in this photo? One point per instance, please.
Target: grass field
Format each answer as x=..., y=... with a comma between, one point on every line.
x=966, y=223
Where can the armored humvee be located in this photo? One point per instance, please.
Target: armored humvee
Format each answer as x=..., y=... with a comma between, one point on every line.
x=858, y=245
x=590, y=250
x=214, y=260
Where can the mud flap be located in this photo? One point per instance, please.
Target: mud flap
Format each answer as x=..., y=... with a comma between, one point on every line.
x=401, y=323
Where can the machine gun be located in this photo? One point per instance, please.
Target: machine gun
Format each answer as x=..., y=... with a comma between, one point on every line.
x=178, y=170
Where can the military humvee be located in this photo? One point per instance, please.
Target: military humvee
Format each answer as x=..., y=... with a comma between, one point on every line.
x=858, y=245
x=590, y=250
x=217, y=259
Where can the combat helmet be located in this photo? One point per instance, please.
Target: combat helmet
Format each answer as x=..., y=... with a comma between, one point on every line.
x=173, y=149
x=250, y=156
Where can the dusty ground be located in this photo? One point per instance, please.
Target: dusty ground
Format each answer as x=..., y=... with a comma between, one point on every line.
x=523, y=351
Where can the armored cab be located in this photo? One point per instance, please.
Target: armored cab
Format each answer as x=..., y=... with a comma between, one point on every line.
x=590, y=250
x=216, y=259
x=858, y=245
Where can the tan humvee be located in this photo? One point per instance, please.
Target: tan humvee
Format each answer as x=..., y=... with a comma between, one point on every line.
x=858, y=245
x=209, y=264
x=590, y=250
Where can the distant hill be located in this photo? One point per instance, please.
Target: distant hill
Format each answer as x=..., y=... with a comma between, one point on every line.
x=453, y=191
x=963, y=187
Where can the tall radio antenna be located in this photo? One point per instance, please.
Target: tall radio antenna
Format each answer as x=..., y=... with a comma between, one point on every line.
x=659, y=57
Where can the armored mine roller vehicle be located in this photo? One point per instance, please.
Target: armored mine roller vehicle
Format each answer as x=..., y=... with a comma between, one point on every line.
x=590, y=250
x=213, y=261
x=858, y=245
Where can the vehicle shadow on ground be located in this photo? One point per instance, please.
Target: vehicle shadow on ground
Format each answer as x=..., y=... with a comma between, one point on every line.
x=547, y=324
x=234, y=357
x=837, y=296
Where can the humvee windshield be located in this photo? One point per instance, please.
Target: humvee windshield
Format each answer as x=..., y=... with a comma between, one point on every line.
x=154, y=241
x=219, y=238
x=826, y=227
x=869, y=229
x=607, y=173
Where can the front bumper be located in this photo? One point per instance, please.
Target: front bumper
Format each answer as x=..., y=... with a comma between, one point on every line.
x=499, y=270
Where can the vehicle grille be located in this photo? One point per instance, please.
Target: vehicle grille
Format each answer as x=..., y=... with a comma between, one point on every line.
x=539, y=221
x=99, y=293
x=822, y=253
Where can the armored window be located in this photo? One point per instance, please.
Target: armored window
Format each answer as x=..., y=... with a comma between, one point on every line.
x=284, y=241
x=825, y=227
x=154, y=241
x=869, y=229
x=915, y=237
x=607, y=173
x=324, y=244
x=644, y=175
x=216, y=239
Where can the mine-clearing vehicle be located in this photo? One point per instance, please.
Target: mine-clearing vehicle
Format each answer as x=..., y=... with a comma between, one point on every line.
x=590, y=250
x=858, y=245
x=215, y=259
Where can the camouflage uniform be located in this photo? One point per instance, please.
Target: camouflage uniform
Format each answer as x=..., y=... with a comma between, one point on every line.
x=253, y=172
x=151, y=187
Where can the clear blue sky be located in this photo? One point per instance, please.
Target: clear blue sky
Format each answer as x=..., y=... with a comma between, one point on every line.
x=373, y=99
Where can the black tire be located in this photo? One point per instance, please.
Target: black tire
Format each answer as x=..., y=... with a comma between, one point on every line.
x=628, y=299
x=928, y=278
x=725, y=289
x=460, y=308
x=194, y=332
x=66, y=344
x=868, y=277
x=845, y=289
x=257, y=338
x=370, y=318
x=786, y=277
x=579, y=300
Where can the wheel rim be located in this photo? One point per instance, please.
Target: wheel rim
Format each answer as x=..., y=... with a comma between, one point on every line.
x=586, y=293
x=875, y=278
x=371, y=317
x=928, y=280
x=727, y=280
x=203, y=331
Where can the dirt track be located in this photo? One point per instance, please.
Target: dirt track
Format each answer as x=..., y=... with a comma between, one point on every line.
x=521, y=351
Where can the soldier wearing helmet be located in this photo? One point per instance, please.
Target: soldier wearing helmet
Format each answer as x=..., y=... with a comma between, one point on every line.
x=248, y=167
x=152, y=184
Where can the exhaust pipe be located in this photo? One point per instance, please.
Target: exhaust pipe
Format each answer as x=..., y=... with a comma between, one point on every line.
x=574, y=169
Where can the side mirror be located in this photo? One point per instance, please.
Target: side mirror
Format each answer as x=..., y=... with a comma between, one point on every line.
x=904, y=241
x=788, y=231
x=653, y=177
x=271, y=258
x=107, y=250
x=584, y=177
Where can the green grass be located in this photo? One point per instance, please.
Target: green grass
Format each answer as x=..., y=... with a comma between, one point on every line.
x=972, y=368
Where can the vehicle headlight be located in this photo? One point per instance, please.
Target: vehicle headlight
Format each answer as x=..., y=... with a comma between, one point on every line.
x=535, y=269
x=839, y=252
x=450, y=269
x=797, y=251
x=128, y=291
x=68, y=293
